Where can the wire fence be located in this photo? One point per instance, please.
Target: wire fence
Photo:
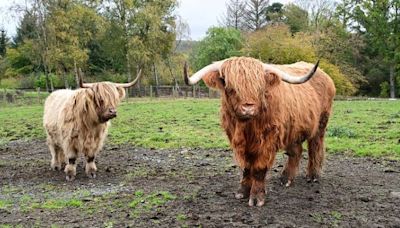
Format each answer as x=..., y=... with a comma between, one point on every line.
x=38, y=96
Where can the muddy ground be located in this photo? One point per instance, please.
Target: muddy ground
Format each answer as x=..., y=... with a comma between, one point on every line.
x=190, y=187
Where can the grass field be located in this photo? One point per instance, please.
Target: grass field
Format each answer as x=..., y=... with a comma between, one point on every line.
x=364, y=128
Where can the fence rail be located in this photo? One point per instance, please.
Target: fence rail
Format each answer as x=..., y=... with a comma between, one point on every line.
x=32, y=96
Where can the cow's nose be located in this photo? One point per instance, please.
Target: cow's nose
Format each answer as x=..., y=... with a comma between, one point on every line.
x=248, y=108
x=113, y=111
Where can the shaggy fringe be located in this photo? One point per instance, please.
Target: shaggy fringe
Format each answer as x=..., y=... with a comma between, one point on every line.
x=246, y=75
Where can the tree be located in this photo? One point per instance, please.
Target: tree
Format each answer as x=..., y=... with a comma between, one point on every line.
x=255, y=14
x=296, y=18
x=27, y=28
x=234, y=16
x=379, y=22
x=276, y=44
x=219, y=43
x=321, y=12
x=3, y=43
x=145, y=29
x=274, y=12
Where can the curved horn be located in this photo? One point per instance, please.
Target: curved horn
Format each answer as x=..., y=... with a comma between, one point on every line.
x=216, y=66
x=83, y=85
x=290, y=78
x=130, y=84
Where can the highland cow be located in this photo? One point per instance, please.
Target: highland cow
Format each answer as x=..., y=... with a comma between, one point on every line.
x=267, y=108
x=76, y=122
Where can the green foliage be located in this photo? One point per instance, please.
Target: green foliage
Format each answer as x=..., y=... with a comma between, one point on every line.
x=296, y=18
x=384, y=89
x=276, y=44
x=40, y=81
x=220, y=43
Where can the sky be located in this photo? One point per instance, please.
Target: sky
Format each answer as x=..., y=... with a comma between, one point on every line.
x=199, y=14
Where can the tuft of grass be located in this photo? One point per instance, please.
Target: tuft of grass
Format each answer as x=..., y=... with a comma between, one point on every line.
x=149, y=201
x=181, y=217
x=5, y=204
x=340, y=132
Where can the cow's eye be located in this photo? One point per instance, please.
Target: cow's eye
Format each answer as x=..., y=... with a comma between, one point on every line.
x=222, y=80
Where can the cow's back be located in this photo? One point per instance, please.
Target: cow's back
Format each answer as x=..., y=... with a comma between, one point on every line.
x=303, y=105
x=53, y=107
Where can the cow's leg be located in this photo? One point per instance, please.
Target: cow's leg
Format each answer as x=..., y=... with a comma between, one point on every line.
x=245, y=185
x=292, y=164
x=258, y=174
x=54, y=151
x=70, y=168
x=90, y=167
x=316, y=151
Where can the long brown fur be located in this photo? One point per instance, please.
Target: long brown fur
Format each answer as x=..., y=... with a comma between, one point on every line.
x=288, y=115
x=73, y=126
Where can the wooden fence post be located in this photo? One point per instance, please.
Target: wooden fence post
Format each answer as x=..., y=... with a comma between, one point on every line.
x=151, y=91
x=38, y=93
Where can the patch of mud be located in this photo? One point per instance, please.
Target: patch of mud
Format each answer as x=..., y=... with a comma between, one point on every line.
x=190, y=187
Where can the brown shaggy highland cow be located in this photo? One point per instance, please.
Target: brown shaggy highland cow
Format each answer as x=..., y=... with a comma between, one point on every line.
x=76, y=122
x=266, y=108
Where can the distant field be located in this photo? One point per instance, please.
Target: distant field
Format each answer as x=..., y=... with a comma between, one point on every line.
x=370, y=128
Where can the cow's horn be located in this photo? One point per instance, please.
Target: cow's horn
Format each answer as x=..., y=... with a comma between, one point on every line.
x=289, y=78
x=132, y=83
x=83, y=85
x=216, y=66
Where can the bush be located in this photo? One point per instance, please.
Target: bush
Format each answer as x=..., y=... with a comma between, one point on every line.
x=384, y=90
x=275, y=44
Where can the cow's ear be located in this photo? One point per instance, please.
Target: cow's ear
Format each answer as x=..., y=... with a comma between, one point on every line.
x=272, y=79
x=214, y=80
x=121, y=92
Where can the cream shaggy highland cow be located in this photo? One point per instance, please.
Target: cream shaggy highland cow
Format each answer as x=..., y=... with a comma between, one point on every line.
x=76, y=122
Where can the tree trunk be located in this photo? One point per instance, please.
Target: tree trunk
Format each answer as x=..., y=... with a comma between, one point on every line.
x=156, y=79
x=48, y=83
x=76, y=74
x=392, y=82
x=65, y=79
x=139, y=82
x=128, y=70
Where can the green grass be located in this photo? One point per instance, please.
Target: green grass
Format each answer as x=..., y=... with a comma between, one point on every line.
x=5, y=204
x=142, y=202
x=364, y=128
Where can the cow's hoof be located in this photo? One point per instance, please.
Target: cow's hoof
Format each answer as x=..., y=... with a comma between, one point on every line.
x=313, y=179
x=251, y=202
x=91, y=174
x=70, y=177
x=286, y=181
x=239, y=195
x=260, y=202
x=243, y=192
x=56, y=167
x=90, y=170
